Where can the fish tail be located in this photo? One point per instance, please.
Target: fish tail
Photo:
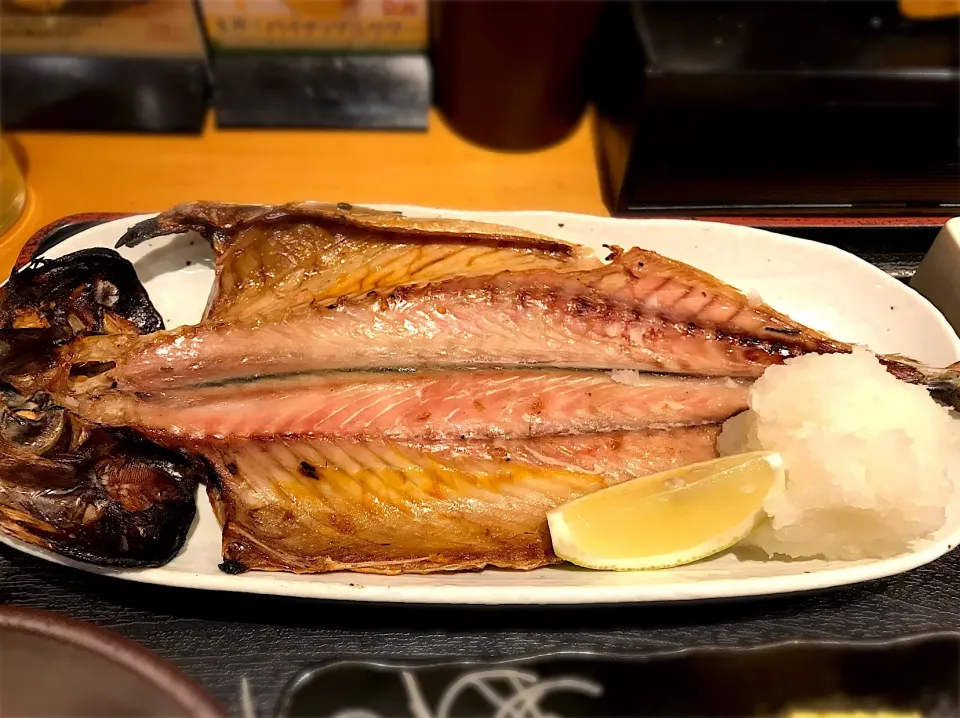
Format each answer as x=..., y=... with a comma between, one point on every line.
x=943, y=383
x=945, y=386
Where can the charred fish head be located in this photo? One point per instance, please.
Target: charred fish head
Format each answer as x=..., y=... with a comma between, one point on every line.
x=93, y=291
x=104, y=496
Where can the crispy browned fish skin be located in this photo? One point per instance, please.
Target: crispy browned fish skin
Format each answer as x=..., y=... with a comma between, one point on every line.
x=218, y=220
x=274, y=258
x=381, y=507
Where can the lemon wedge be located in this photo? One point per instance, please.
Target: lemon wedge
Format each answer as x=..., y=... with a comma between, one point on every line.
x=667, y=519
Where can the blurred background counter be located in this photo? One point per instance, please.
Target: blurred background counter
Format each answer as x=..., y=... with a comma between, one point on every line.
x=69, y=173
x=699, y=108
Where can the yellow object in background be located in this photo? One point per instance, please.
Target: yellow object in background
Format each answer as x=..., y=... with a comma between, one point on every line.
x=326, y=9
x=929, y=9
x=40, y=5
x=128, y=28
x=13, y=190
x=317, y=25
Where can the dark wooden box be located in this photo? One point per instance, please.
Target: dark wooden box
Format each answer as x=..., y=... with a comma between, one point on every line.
x=797, y=108
x=117, y=65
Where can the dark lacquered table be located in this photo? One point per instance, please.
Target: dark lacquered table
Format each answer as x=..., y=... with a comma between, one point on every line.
x=221, y=638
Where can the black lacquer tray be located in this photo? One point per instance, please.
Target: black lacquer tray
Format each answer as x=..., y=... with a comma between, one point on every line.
x=919, y=675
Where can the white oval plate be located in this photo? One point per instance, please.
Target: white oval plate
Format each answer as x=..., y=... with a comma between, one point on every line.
x=816, y=284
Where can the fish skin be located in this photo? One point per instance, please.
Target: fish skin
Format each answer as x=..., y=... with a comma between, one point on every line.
x=428, y=404
x=91, y=291
x=270, y=259
x=219, y=221
x=313, y=506
x=288, y=272
x=595, y=319
x=617, y=456
x=678, y=293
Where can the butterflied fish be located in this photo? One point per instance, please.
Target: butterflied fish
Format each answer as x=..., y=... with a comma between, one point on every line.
x=312, y=506
x=421, y=394
x=271, y=258
x=505, y=471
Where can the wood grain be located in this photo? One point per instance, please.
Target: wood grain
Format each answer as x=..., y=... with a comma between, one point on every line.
x=75, y=173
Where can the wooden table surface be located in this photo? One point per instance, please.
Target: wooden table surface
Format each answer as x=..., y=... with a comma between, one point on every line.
x=75, y=173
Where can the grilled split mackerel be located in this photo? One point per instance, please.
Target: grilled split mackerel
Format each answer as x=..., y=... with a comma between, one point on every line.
x=377, y=393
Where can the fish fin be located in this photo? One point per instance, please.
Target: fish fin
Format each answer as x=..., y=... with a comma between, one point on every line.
x=216, y=221
x=141, y=232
